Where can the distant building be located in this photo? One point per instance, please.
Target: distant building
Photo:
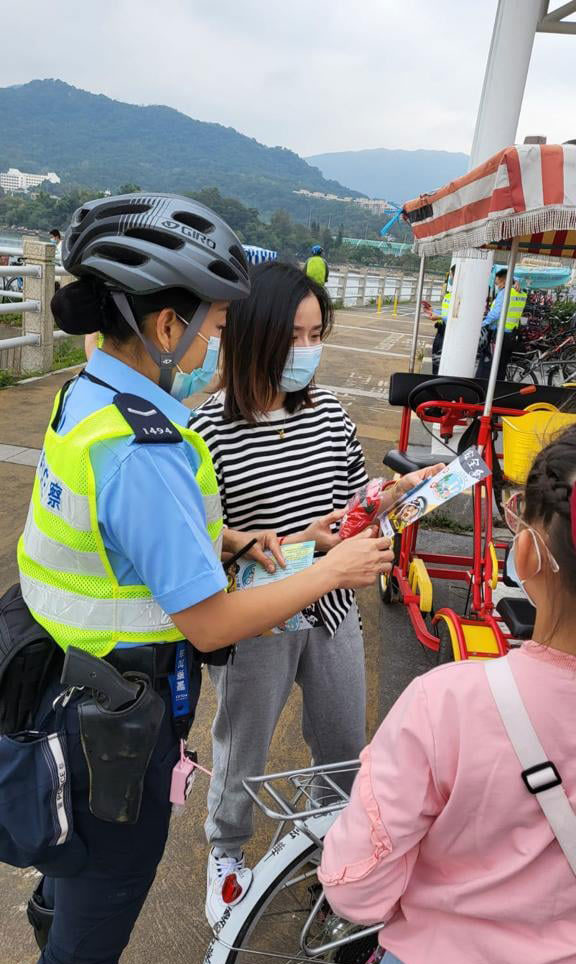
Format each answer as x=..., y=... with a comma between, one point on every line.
x=375, y=205
x=15, y=180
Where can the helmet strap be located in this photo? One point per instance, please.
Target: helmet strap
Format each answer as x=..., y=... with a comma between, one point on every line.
x=165, y=360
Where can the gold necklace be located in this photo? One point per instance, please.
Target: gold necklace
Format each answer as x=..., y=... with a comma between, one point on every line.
x=280, y=431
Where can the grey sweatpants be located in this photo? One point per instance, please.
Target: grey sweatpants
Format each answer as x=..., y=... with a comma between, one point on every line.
x=252, y=692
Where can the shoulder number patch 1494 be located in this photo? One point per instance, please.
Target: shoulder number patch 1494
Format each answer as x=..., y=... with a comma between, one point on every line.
x=148, y=423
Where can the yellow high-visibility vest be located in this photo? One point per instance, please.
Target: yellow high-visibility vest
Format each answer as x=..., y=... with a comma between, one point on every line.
x=66, y=576
x=316, y=269
x=515, y=309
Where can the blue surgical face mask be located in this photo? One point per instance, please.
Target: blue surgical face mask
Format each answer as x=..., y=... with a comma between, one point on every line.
x=188, y=383
x=300, y=368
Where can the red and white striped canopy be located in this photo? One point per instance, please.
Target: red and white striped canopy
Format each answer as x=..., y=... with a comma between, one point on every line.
x=528, y=191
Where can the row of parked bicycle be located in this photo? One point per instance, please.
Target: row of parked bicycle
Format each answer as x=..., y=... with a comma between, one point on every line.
x=545, y=353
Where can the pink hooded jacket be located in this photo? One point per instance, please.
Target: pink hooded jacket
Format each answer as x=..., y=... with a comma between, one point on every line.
x=442, y=839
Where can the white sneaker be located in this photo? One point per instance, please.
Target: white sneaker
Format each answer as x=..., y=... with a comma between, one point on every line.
x=228, y=881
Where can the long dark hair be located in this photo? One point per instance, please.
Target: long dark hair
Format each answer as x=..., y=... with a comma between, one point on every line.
x=547, y=503
x=258, y=338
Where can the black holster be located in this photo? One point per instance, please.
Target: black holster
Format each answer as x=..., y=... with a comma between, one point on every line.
x=118, y=745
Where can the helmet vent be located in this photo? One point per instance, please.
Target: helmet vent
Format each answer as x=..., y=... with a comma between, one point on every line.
x=113, y=252
x=193, y=221
x=117, y=210
x=223, y=270
x=239, y=258
x=155, y=237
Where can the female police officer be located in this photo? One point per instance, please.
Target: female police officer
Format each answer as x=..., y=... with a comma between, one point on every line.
x=119, y=557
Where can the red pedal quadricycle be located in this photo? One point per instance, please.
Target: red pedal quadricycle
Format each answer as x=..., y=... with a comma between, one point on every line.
x=508, y=423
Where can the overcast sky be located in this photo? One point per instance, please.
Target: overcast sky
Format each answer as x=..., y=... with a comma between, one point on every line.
x=312, y=75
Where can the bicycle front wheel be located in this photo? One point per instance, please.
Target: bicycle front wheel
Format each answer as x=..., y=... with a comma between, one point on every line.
x=267, y=925
x=518, y=371
x=270, y=919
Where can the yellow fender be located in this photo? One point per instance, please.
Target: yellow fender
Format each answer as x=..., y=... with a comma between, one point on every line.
x=421, y=584
x=453, y=634
x=493, y=583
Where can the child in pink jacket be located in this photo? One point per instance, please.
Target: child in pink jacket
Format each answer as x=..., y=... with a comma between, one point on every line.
x=442, y=839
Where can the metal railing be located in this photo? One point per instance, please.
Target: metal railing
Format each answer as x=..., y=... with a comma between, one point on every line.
x=13, y=295
x=29, y=294
x=350, y=287
x=355, y=288
x=20, y=270
x=18, y=309
x=19, y=340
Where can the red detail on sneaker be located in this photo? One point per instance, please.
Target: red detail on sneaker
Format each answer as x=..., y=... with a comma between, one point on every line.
x=231, y=889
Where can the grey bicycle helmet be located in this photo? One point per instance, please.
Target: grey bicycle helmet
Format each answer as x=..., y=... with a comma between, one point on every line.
x=138, y=244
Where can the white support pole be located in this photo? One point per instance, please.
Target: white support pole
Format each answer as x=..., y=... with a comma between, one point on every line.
x=417, y=313
x=496, y=125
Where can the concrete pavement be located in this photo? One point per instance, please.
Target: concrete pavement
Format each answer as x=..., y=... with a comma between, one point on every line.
x=363, y=351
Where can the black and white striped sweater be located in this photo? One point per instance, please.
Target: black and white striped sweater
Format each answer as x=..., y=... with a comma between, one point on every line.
x=286, y=471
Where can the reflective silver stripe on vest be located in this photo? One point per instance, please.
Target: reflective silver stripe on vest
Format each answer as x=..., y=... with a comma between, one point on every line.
x=117, y=616
x=56, y=497
x=50, y=554
x=212, y=507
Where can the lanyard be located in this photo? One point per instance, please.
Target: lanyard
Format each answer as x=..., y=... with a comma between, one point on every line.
x=180, y=682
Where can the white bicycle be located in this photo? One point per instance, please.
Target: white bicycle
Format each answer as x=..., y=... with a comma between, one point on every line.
x=284, y=916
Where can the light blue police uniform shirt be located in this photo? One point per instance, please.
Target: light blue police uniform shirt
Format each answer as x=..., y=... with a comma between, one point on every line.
x=493, y=317
x=150, y=509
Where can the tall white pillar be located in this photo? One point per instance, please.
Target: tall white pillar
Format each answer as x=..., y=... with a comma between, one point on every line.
x=496, y=125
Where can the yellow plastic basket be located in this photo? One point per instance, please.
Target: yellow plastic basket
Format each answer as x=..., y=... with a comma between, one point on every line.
x=523, y=436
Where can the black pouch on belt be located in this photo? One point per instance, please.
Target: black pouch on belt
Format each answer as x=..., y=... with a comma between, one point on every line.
x=119, y=728
x=29, y=661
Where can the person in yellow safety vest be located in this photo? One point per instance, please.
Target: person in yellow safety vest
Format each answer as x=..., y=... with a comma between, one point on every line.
x=490, y=324
x=440, y=320
x=316, y=266
x=120, y=557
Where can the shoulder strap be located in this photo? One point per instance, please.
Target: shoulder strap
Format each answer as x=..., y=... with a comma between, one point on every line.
x=61, y=397
x=539, y=773
x=147, y=422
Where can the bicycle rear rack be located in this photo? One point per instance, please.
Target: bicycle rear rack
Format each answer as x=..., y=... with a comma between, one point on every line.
x=295, y=796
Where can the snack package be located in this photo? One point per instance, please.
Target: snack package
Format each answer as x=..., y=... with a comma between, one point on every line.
x=363, y=508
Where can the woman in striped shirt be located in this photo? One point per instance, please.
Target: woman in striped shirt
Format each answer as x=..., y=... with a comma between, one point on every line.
x=287, y=458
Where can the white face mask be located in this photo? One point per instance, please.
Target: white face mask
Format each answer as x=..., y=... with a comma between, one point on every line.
x=511, y=570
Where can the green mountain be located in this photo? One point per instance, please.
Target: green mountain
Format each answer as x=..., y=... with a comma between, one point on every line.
x=93, y=141
x=390, y=174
